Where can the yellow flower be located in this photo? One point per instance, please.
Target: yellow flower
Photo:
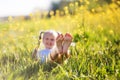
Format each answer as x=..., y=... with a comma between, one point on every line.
x=57, y=11
x=87, y=2
x=51, y=13
x=66, y=12
x=93, y=10
x=81, y=7
x=105, y=38
x=118, y=2
x=76, y=3
x=81, y=0
x=71, y=4
x=100, y=27
x=113, y=5
x=65, y=8
x=111, y=31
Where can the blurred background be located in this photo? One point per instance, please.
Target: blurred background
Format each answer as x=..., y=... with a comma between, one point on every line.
x=17, y=8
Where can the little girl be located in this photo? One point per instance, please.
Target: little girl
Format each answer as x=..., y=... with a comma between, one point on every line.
x=56, y=46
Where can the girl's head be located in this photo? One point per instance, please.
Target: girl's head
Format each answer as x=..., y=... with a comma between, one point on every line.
x=49, y=39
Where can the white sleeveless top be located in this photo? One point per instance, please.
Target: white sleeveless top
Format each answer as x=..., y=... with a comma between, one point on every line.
x=42, y=55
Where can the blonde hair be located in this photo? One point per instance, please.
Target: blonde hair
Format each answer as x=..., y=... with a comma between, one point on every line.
x=54, y=33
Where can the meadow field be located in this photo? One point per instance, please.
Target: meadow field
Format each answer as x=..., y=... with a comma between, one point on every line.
x=95, y=50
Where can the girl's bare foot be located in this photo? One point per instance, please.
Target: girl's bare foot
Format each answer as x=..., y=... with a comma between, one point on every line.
x=66, y=43
x=59, y=41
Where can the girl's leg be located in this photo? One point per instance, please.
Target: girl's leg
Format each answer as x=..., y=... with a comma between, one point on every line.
x=66, y=44
x=59, y=42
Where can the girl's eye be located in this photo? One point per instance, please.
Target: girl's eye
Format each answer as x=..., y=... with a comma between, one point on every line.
x=46, y=38
x=52, y=39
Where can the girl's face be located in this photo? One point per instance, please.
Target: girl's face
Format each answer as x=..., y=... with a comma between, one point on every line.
x=49, y=40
